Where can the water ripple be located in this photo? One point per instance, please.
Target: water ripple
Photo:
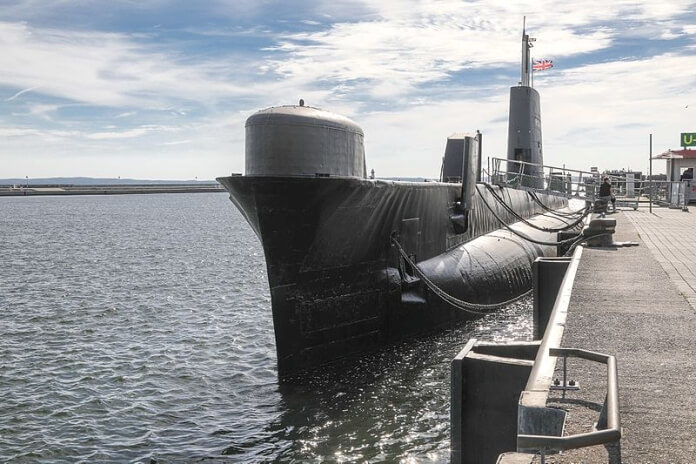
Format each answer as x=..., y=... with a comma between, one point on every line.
x=137, y=328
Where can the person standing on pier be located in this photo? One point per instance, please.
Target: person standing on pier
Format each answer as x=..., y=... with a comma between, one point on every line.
x=606, y=194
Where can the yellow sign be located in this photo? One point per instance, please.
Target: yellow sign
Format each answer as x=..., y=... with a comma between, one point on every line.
x=688, y=139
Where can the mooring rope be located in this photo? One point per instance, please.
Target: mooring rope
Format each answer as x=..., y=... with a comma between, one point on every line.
x=520, y=234
x=510, y=210
x=478, y=309
x=568, y=215
x=581, y=239
x=481, y=309
x=575, y=240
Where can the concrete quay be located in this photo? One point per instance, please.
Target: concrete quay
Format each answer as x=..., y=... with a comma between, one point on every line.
x=636, y=303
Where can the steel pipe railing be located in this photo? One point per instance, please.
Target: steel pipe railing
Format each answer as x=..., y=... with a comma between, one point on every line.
x=574, y=183
x=610, y=434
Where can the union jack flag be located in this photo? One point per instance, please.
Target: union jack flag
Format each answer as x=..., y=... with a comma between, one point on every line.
x=541, y=65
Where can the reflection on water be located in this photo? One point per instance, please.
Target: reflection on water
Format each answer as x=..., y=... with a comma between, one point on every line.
x=138, y=328
x=388, y=406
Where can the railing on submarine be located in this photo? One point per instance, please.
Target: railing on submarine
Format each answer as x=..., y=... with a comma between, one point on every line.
x=584, y=185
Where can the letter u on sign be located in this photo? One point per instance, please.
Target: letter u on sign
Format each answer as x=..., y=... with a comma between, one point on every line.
x=688, y=139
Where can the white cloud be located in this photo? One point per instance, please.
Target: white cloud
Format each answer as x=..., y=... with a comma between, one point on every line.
x=602, y=114
x=17, y=132
x=43, y=111
x=105, y=68
x=21, y=92
x=52, y=134
x=44, y=136
x=147, y=129
x=406, y=44
x=215, y=147
x=127, y=134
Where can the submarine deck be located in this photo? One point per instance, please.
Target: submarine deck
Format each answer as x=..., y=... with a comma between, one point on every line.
x=638, y=304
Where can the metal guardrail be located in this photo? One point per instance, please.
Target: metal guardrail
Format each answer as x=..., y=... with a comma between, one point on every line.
x=573, y=183
x=610, y=434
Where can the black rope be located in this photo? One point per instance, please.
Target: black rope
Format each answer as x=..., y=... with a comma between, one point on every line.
x=478, y=309
x=510, y=210
x=481, y=309
x=570, y=214
x=520, y=234
x=582, y=239
x=513, y=212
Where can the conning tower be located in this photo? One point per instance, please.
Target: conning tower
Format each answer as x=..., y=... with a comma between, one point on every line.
x=524, y=124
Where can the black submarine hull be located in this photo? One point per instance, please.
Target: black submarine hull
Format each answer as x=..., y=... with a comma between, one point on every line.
x=338, y=284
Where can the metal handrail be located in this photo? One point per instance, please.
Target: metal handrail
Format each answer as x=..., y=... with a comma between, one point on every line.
x=610, y=434
x=497, y=161
x=574, y=183
x=559, y=168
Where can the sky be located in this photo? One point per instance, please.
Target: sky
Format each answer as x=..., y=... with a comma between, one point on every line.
x=161, y=89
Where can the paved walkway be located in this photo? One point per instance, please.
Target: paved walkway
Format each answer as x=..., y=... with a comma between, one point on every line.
x=670, y=234
x=628, y=302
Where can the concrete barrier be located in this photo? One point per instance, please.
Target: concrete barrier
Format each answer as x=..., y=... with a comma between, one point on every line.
x=548, y=275
x=486, y=383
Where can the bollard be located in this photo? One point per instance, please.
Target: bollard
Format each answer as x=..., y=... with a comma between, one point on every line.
x=599, y=232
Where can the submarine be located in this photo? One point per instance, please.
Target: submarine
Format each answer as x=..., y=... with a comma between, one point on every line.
x=355, y=263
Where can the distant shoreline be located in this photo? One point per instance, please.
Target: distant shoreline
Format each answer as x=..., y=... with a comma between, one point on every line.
x=37, y=190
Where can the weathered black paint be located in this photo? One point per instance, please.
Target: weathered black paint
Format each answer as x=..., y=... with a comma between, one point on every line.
x=337, y=284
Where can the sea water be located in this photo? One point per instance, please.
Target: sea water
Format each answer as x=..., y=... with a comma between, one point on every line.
x=138, y=328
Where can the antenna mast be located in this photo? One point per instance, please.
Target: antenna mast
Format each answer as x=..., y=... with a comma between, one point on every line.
x=526, y=45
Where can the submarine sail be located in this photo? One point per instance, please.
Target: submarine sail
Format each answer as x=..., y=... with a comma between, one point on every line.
x=524, y=125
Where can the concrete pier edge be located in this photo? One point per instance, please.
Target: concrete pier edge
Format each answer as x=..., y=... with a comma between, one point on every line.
x=636, y=303
x=488, y=378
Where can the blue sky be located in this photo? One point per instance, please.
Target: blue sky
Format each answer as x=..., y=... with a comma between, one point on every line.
x=161, y=89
